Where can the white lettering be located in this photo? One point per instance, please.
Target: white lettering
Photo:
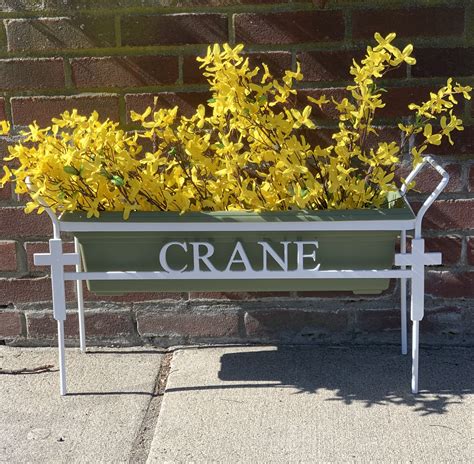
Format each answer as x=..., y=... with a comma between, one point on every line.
x=197, y=257
x=268, y=250
x=163, y=260
x=301, y=255
x=239, y=249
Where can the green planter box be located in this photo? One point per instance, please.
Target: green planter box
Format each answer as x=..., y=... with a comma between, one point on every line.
x=139, y=251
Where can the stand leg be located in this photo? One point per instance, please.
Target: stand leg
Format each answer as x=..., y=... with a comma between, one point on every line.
x=414, y=353
x=80, y=304
x=62, y=364
x=403, y=298
x=57, y=260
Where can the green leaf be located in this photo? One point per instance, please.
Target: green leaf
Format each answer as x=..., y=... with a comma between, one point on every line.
x=118, y=181
x=71, y=170
x=211, y=100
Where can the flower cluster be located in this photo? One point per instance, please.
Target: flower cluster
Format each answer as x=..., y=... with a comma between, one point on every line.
x=245, y=151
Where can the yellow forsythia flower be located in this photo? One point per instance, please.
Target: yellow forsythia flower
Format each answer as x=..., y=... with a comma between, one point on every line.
x=246, y=150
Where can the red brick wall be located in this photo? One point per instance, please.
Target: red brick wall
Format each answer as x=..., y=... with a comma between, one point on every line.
x=113, y=56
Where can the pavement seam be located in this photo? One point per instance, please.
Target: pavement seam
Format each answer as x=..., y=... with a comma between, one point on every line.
x=142, y=443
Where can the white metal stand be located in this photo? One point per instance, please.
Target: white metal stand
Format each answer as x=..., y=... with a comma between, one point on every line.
x=411, y=265
x=80, y=302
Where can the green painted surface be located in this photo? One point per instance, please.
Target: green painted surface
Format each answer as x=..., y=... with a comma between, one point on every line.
x=139, y=251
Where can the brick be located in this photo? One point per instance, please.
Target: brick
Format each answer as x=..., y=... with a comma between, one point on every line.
x=448, y=284
x=186, y=101
x=14, y=291
x=327, y=65
x=42, y=109
x=124, y=71
x=470, y=250
x=133, y=297
x=191, y=72
x=408, y=22
x=471, y=179
x=322, y=66
x=6, y=191
x=449, y=247
x=43, y=247
x=8, y=255
x=289, y=27
x=99, y=324
x=463, y=143
x=428, y=179
x=15, y=223
x=344, y=294
x=3, y=114
x=378, y=320
x=11, y=324
x=278, y=323
x=187, y=324
x=329, y=111
x=277, y=62
x=60, y=33
x=443, y=62
x=446, y=320
x=397, y=99
x=448, y=214
x=176, y=29
x=31, y=74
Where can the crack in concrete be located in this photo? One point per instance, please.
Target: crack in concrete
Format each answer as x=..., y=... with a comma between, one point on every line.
x=142, y=443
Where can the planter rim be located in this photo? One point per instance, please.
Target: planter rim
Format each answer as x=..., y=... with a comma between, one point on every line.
x=400, y=213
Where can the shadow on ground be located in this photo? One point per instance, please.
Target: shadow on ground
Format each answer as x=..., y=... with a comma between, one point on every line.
x=373, y=376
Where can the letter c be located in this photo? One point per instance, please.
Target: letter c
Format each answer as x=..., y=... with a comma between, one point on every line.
x=163, y=260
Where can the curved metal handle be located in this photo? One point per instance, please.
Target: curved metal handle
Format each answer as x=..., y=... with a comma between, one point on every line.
x=435, y=194
x=52, y=216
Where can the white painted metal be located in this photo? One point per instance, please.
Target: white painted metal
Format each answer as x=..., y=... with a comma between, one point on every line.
x=314, y=226
x=241, y=275
x=80, y=302
x=62, y=359
x=415, y=347
x=412, y=265
x=403, y=297
x=57, y=260
x=417, y=259
x=435, y=194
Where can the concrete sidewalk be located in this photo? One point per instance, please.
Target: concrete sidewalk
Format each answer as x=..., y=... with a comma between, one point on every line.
x=99, y=421
x=238, y=405
x=315, y=405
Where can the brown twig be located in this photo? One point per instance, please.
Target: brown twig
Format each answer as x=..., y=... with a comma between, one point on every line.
x=27, y=370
